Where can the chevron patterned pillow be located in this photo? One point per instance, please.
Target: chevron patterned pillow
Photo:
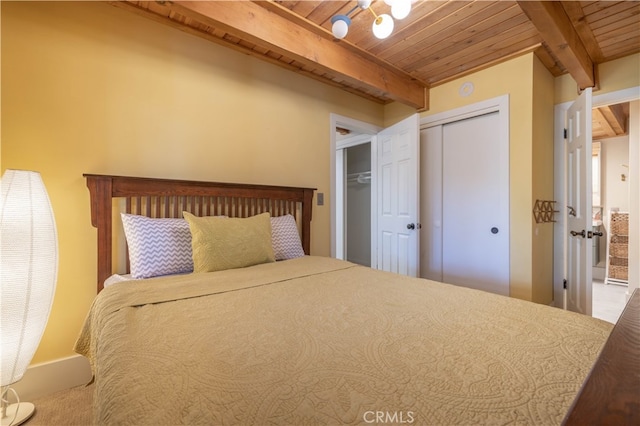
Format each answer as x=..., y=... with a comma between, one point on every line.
x=285, y=238
x=157, y=246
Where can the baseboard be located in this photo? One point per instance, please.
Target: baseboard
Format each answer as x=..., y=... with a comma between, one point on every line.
x=49, y=377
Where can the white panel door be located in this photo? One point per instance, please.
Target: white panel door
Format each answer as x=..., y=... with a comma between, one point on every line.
x=397, y=175
x=475, y=205
x=578, y=166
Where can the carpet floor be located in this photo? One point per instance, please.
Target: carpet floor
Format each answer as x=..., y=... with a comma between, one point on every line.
x=71, y=407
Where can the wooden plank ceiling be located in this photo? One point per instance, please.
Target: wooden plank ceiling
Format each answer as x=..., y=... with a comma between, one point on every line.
x=439, y=41
x=610, y=121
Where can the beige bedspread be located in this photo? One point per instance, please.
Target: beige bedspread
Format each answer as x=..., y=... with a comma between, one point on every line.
x=320, y=341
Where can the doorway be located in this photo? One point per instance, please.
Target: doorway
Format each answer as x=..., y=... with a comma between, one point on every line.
x=394, y=226
x=349, y=139
x=357, y=203
x=611, y=200
x=560, y=228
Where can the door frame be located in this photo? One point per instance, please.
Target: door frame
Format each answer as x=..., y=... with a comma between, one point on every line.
x=559, y=230
x=366, y=132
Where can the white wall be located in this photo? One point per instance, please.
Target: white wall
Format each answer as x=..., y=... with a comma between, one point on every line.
x=615, y=191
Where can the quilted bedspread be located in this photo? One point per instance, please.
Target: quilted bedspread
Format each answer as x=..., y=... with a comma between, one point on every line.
x=319, y=341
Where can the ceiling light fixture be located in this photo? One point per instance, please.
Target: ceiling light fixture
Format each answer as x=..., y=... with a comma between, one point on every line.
x=382, y=24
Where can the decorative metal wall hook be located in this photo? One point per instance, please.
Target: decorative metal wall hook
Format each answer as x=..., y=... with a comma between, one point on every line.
x=543, y=211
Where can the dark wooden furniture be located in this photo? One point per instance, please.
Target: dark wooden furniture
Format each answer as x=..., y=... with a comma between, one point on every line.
x=168, y=198
x=611, y=393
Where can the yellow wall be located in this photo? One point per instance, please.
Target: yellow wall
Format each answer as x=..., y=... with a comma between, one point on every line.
x=490, y=83
x=395, y=112
x=542, y=183
x=87, y=87
x=619, y=74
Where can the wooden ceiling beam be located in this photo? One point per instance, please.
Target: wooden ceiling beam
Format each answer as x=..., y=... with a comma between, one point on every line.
x=606, y=128
x=575, y=12
x=609, y=121
x=256, y=24
x=556, y=29
x=616, y=118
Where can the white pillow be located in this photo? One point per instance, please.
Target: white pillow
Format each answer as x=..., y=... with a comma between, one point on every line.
x=157, y=246
x=117, y=278
x=285, y=238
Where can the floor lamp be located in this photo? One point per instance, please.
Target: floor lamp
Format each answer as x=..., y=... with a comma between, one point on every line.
x=28, y=273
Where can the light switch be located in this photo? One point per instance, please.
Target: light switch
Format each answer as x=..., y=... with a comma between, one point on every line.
x=321, y=198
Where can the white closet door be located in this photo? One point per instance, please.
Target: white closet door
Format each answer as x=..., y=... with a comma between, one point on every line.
x=475, y=215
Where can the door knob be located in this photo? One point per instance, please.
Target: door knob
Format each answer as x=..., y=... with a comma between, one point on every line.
x=581, y=233
x=598, y=234
x=411, y=226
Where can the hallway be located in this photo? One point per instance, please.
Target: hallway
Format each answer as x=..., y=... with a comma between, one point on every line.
x=608, y=301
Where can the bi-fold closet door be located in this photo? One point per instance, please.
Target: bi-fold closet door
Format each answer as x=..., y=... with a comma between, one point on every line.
x=465, y=204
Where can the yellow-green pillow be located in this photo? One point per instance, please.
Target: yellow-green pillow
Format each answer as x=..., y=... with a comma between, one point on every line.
x=220, y=243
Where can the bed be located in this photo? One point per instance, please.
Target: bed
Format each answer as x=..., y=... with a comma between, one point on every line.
x=309, y=339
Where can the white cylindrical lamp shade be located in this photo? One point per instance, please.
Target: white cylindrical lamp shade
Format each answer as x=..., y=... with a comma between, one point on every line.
x=28, y=269
x=382, y=26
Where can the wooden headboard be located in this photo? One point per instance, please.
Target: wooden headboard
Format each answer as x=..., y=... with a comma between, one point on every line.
x=168, y=198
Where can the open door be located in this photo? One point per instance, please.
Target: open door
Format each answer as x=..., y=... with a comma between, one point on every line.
x=579, y=221
x=397, y=202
